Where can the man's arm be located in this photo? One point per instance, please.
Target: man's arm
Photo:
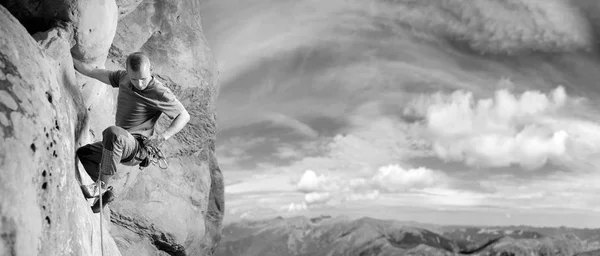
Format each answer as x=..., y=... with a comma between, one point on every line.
x=178, y=123
x=100, y=74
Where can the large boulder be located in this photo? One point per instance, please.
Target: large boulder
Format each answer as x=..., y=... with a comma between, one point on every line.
x=180, y=209
x=94, y=22
x=42, y=211
x=94, y=25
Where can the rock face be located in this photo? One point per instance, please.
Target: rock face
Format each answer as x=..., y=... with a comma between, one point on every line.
x=179, y=209
x=176, y=211
x=42, y=211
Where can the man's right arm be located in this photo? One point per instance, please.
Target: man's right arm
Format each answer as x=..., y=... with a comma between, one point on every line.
x=102, y=75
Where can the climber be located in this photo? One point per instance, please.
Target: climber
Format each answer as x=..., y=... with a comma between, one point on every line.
x=141, y=100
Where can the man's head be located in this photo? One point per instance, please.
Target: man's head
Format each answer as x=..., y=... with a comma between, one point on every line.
x=138, y=69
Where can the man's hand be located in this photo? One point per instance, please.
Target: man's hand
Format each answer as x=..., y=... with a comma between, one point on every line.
x=99, y=74
x=81, y=67
x=180, y=121
x=155, y=141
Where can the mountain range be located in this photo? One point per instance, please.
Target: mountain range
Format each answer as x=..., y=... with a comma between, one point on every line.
x=326, y=235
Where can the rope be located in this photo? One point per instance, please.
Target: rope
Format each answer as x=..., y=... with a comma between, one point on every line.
x=156, y=157
x=99, y=184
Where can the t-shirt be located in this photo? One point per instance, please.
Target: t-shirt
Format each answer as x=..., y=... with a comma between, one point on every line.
x=138, y=111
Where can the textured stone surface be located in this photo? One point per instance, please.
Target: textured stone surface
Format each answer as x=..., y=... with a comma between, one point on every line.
x=95, y=22
x=95, y=28
x=42, y=211
x=126, y=6
x=36, y=15
x=94, y=25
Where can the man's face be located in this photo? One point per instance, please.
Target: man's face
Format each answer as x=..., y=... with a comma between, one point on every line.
x=140, y=79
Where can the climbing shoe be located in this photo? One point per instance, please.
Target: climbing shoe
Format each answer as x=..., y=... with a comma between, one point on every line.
x=91, y=190
x=107, y=197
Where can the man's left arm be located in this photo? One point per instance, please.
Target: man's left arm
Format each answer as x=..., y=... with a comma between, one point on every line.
x=178, y=123
x=170, y=106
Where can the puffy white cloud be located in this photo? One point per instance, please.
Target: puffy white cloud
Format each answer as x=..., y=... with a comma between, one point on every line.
x=529, y=148
x=294, y=207
x=394, y=178
x=317, y=198
x=494, y=132
x=310, y=182
x=321, y=189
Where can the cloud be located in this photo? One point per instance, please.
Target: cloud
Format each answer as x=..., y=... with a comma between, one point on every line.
x=295, y=124
x=500, y=27
x=238, y=147
x=363, y=196
x=393, y=178
x=317, y=198
x=311, y=182
x=294, y=207
x=288, y=152
x=559, y=190
x=371, y=139
x=338, y=187
x=494, y=132
x=440, y=196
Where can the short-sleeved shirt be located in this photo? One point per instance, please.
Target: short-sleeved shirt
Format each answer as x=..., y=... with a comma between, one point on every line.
x=138, y=111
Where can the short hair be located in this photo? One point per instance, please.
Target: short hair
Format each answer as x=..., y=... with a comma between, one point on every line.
x=136, y=60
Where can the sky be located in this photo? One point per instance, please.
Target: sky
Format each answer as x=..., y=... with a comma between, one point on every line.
x=418, y=111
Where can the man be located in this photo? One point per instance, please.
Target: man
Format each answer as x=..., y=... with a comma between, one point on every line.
x=141, y=101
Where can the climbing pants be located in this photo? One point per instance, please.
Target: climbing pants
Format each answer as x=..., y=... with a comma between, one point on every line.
x=117, y=146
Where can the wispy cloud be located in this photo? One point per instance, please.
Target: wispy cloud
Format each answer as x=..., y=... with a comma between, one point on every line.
x=560, y=190
x=295, y=124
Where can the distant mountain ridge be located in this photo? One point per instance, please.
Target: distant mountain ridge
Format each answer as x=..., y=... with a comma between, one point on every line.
x=325, y=235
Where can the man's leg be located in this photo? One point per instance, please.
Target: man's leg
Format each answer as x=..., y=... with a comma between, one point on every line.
x=89, y=156
x=117, y=145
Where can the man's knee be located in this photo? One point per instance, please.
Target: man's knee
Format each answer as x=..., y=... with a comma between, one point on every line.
x=112, y=135
x=84, y=151
x=80, y=152
x=113, y=131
